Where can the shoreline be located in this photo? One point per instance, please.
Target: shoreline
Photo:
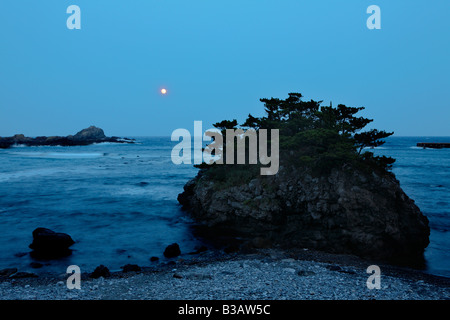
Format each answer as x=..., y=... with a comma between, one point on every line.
x=265, y=274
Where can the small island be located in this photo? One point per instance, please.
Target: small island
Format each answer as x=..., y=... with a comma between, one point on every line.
x=331, y=193
x=85, y=137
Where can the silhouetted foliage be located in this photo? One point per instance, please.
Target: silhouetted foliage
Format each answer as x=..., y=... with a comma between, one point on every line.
x=225, y=124
x=321, y=137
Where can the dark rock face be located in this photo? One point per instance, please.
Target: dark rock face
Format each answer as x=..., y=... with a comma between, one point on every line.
x=84, y=137
x=172, y=251
x=48, y=244
x=346, y=211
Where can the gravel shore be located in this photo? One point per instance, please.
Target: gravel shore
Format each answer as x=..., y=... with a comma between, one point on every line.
x=264, y=275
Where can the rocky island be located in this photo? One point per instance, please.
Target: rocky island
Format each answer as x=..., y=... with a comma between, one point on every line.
x=330, y=194
x=85, y=137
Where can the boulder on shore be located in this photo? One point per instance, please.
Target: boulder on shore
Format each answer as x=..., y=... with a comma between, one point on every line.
x=48, y=244
x=131, y=268
x=172, y=251
x=347, y=211
x=100, y=271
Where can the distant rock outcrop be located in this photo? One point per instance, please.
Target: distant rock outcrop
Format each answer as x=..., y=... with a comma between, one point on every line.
x=91, y=133
x=84, y=137
x=346, y=211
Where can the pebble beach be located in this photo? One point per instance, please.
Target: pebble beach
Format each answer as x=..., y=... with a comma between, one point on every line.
x=263, y=275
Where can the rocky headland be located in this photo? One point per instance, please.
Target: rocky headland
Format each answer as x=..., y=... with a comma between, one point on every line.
x=85, y=137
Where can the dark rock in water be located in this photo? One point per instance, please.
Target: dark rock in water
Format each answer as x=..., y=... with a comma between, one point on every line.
x=346, y=210
x=36, y=265
x=7, y=272
x=100, y=271
x=177, y=276
x=48, y=244
x=22, y=275
x=143, y=184
x=130, y=268
x=153, y=259
x=172, y=251
x=5, y=144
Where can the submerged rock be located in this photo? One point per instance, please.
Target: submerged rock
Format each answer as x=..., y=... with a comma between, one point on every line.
x=346, y=211
x=48, y=244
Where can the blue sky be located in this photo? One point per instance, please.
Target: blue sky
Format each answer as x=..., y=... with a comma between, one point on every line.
x=216, y=59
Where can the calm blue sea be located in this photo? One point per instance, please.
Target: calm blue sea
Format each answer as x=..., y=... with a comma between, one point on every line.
x=424, y=175
x=118, y=201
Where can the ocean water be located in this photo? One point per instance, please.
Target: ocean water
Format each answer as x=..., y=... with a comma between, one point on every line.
x=118, y=201
x=424, y=175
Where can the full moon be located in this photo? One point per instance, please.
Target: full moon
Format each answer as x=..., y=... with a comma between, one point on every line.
x=163, y=91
